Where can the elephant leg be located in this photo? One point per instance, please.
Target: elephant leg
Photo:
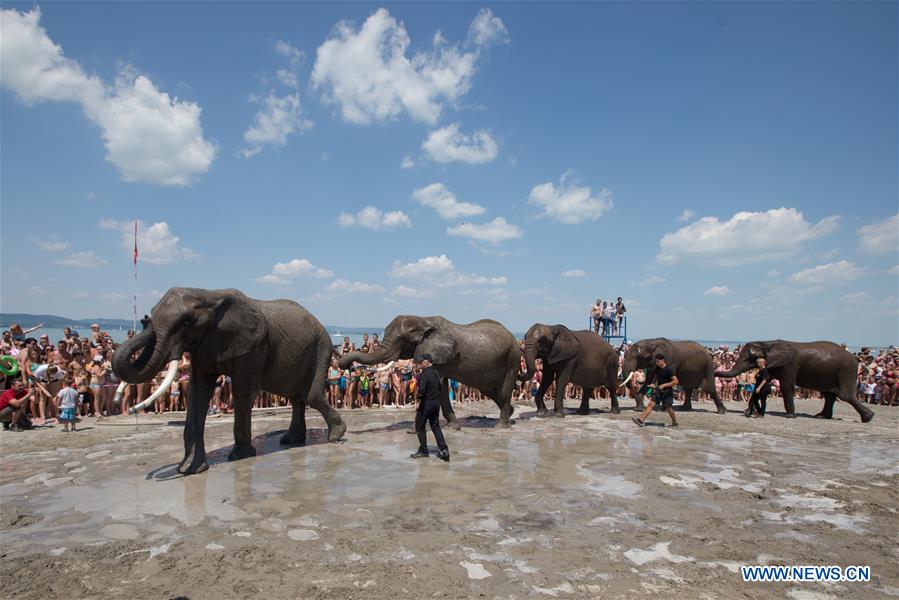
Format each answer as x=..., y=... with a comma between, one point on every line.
x=504, y=401
x=787, y=389
x=584, y=408
x=718, y=403
x=638, y=406
x=612, y=378
x=201, y=389
x=864, y=412
x=827, y=412
x=561, y=385
x=688, y=400
x=244, y=395
x=318, y=400
x=541, y=392
x=446, y=408
x=296, y=432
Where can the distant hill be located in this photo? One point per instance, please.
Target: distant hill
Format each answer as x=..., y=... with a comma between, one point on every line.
x=57, y=322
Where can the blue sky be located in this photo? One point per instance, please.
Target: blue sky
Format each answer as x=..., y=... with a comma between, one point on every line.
x=730, y=169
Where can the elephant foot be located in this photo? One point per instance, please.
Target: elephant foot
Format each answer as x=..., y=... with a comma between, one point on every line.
x=454, y=424
x=583, y=411
x=197, y=465
x=684, y=408
x=541, y=412
x=867, y=416
x=790, y=415
x=823, y=415
x=503, y=424
x=721, y=410
x=615, y=410
x=638, y=407
x=336, y=431
x=559, y=414
x=293, y=438
x=239, y=452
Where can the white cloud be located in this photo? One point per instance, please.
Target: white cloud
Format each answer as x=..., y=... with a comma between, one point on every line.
x=773, y=273
x=79, y=295
x=440, y=272
x=448, y=144
x=653, y=280
x=438, y=197
x=283, y=273
x=834, y=273
x=277, y=118
x=495, y=231
x=717, y=290
x=486, y=29
x=51, y=244
x=744, y=238
x=367, y=74
x=880, y=238
x=574, y=273
x=156, y=244
x=149, y=136
x=686, y=216
x=112, y=296
x=355, y=287
x=371, y=217
x=83, y=260
x=894, y=270
x=407, y=162
x=290, y=52
x=569, y=203
x=404, y=291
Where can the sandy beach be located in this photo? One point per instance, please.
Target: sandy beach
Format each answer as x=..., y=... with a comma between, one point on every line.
x=588, y=506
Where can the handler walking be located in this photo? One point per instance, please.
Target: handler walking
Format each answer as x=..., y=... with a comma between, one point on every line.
x=759, y=399
x=664, y=392
x=429, y=385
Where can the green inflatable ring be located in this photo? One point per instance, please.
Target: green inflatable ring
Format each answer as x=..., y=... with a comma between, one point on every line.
x=8, y=365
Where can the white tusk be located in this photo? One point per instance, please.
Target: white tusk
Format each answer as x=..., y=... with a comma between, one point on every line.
x=631, y=374
x=163, y=388
x=118, y=392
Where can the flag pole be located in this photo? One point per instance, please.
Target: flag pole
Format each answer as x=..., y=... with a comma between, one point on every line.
x=134, y=314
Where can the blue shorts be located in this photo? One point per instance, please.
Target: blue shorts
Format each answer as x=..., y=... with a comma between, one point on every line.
x=67, y=415
x=342, y=383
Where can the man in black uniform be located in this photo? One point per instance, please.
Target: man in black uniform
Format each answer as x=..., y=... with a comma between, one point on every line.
x=759, y=399
x=429, y=410
x=664, y=392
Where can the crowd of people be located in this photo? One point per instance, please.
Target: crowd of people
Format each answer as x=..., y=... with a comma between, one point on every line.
x=608, y=317
x=62, y=382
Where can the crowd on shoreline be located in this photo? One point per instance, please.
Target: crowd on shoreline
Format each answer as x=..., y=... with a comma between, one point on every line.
x=46, y=382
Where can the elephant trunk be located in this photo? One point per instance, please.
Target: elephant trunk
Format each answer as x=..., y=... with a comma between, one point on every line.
x=740, y=367
x=153, y=355
x=530, y=359
x=382, y=355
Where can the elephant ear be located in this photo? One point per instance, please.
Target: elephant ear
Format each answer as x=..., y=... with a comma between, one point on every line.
x=565, y=345
x=779, y=354
x=666, y=349
x=236, y=327
x=441, y=346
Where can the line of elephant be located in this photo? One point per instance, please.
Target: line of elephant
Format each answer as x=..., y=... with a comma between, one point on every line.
x=279, y=347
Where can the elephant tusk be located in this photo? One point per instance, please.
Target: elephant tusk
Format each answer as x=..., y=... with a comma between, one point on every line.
x=118, y=392
x=163, y=387
x=631, y=374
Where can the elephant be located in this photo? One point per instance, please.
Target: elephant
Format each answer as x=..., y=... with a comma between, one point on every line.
x=275, y=346
x=483, y=355
x=691, y=362
x=822, y=366
x=580, y=357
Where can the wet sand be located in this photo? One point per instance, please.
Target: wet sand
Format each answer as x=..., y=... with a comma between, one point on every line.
x=586, y=506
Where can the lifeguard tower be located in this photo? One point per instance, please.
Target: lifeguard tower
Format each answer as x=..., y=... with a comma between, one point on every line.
x=611, y=329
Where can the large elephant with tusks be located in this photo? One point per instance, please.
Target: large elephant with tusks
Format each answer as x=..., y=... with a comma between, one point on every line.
x=483, y=355
x=822, y=366
x=275, y=346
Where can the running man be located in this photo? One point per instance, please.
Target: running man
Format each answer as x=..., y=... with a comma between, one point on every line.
x=664, y=392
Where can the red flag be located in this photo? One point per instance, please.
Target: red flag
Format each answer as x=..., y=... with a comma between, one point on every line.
x=135, y=243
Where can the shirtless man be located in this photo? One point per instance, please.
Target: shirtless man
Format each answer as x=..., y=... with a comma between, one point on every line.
x=596, y=313
x=61, y=357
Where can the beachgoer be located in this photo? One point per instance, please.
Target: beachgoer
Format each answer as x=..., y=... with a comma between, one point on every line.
x=68, y=403
x=596, y=313
x=762, y=387
x=620, y=311
x=429, y=411
x=663, y=394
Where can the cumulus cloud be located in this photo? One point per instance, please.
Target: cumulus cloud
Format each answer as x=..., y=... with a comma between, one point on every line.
x=574, y=273
x=356, y=287
x=51, y=244
x=653, y=280
x=407, y=162
x=569, y=202
x=438, y=197
x=371, y=217
x=744, y=238
x=149, y=136
x=449, y=144
x=283, y=272
x=83, y=260
x=834, y=273
x=293, y=55
x=156, y=244
x=686, y=216
x=368, y=75
x=495, y=231
x=880, y=238
x=277, y=118
x=440, y=271
x=404, y=291
x=717, y=290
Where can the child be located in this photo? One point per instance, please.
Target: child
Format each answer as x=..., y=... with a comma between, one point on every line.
x=68, y=403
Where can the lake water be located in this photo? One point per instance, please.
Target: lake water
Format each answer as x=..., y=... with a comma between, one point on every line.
x=118, y=335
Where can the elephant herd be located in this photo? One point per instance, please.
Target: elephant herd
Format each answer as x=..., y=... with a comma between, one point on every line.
x=279, y=347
